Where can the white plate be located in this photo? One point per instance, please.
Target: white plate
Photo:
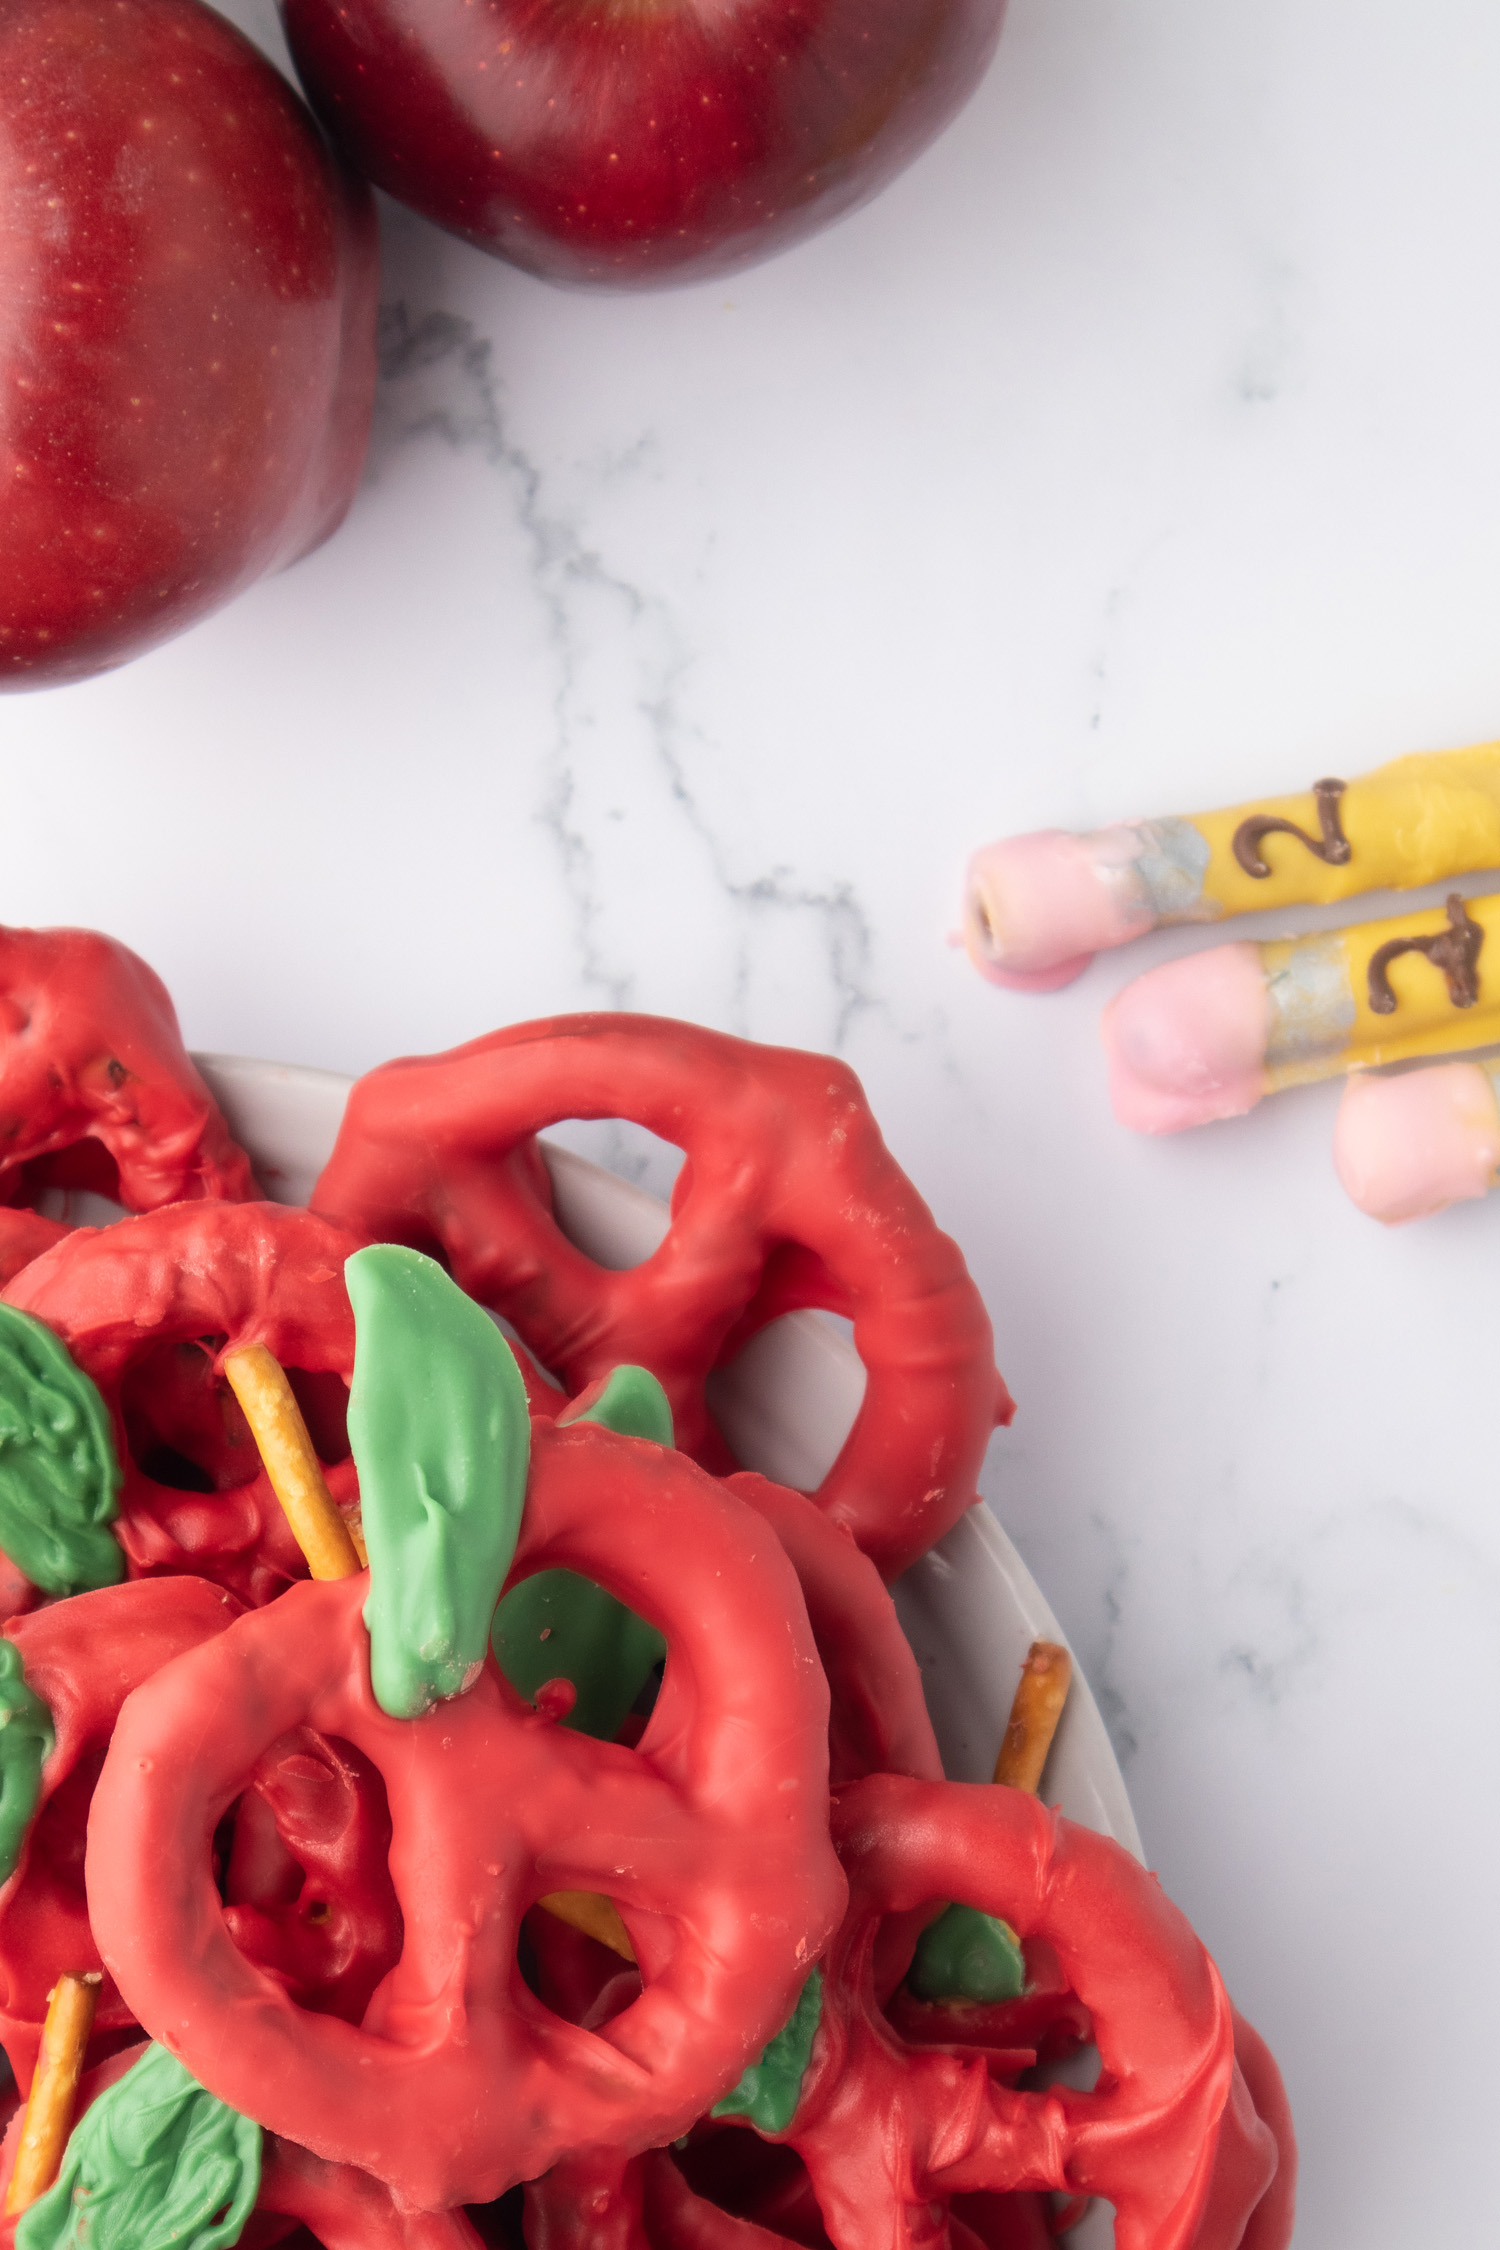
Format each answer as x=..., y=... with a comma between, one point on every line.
x=970, y=1608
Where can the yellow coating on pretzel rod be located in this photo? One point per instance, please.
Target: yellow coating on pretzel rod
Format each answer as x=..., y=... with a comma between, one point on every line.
x=54, y=2089
x=1425, y=1020
x=1411, y=822
x=270, y=1407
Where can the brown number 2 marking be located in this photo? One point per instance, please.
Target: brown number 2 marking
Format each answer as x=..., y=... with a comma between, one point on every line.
x=1332, y=847
x=1455, y=951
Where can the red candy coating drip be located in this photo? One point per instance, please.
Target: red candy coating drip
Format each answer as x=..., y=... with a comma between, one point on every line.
x=711, y=1837
x=886, y=2128
x=147, y=1308
x=82, y=1657
x=788, y=1198
x=90, y=1053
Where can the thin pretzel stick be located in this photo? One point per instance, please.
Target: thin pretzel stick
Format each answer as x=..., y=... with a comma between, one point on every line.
x=54, y=2089
x=597, y=1917
x=1038, y=1705
x=296, y=1474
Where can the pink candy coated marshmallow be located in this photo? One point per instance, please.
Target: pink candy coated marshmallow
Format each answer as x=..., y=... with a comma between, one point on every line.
x=1038, y=908
x=1186, y=1043
x=1407, y=1147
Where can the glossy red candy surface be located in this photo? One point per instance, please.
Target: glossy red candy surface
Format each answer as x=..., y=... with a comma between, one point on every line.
x=788, y=1198
x=601, y=141
x=96, y=1088
x=187, y=354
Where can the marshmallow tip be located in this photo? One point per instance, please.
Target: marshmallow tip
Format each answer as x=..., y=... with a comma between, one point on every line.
x=1185, y=1044
x=1037, y=909
x=1405, y=1148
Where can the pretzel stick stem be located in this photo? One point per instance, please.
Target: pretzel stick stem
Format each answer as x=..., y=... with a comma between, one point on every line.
x=597, y=1917
x=1039, y=1699
x=54, y=2089
x=270, y=1407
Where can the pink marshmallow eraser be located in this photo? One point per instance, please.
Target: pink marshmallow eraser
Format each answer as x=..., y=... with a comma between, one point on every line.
x=1038, y=908
x=1407, y=1147
x=1186, y=1043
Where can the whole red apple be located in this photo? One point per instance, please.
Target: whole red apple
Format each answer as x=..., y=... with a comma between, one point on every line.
x=187, y=314
x=628, y=141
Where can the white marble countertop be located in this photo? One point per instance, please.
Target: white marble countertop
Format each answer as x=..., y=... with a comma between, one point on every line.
x=1140, y=450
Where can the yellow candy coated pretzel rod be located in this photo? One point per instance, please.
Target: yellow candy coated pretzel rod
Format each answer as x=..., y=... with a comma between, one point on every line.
x=1208, y=1036
x=1039, y=907
x=1034, y=1714
x=270, y=1407
x=54, y=2089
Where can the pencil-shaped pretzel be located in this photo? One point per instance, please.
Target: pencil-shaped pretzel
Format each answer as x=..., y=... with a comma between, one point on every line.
x=54, y=2089
x=1037, y=908
x=1210, y=1035
x=1040, y=1695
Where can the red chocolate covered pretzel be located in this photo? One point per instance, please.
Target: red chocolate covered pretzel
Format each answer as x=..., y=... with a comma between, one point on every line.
x=894, y=2130
x=96, y=1088
x=711, y=1837
x=304, y=1877
x=148, y=1308
x=788, y=1198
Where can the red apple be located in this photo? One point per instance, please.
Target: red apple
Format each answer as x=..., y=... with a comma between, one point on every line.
x=187, y=315
x=628, y=141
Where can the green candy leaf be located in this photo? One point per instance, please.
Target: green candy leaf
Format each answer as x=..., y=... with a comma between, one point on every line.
x=967, y=1955
x=440, y=1434
x=768, y=2092
x=632, y=1403
x=59, y=1475
x=156, y=2164
x=26, y=1740
x=557, y=1625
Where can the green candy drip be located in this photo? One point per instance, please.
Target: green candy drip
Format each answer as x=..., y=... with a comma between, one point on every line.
x=26, y=1739
x=768, y=2092
x=558, y=1625
x=156, y=2160
x=59, y=1474
x=967, y=1955
x=440, y=1434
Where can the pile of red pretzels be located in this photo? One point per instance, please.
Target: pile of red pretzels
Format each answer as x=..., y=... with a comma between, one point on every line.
x=355, y=1929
